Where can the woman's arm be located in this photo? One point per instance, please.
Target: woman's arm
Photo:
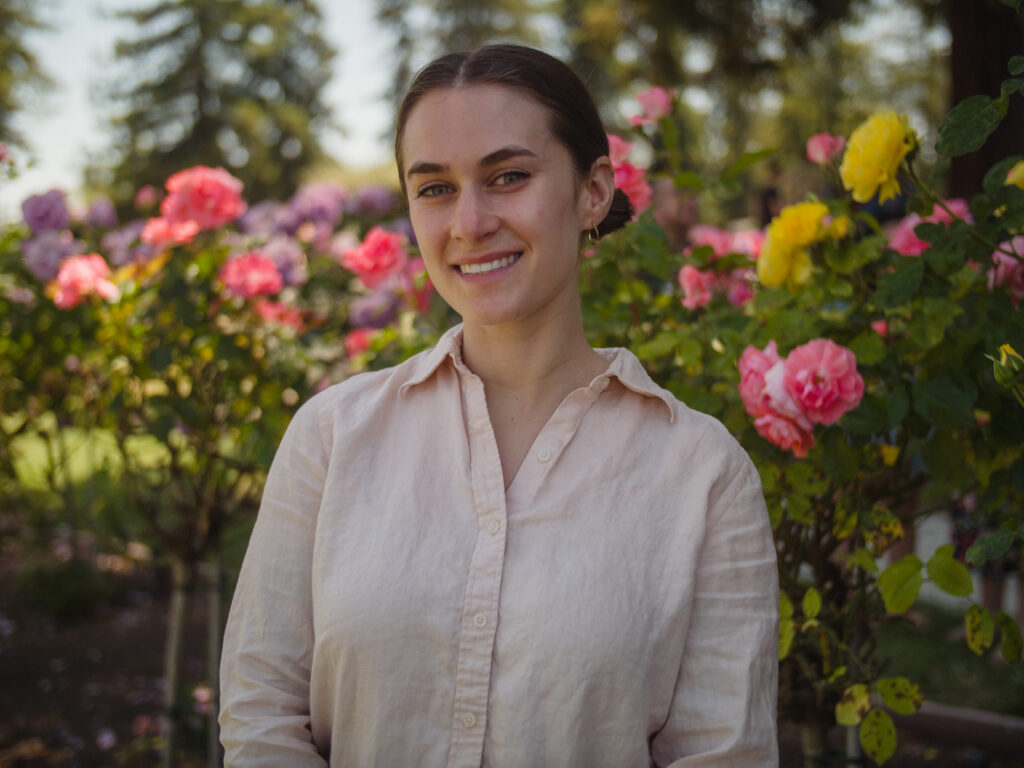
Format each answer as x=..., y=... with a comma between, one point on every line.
x=723, y=710
x=268, y=644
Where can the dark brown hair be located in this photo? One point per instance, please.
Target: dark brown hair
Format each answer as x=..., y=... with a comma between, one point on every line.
x=574, y=118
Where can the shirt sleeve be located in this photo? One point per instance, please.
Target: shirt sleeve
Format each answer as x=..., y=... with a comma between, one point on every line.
x=724, y=706
x=268, y=643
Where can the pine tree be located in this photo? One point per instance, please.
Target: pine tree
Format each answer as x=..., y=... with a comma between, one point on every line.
x=232, y=83
x=19, y=69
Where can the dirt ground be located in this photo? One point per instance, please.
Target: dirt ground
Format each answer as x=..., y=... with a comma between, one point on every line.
x=87, y=693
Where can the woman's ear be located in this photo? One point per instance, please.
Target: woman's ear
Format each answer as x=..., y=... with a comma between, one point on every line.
x=597, y=191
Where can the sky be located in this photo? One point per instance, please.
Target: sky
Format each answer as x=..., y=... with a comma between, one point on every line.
x=63, y=125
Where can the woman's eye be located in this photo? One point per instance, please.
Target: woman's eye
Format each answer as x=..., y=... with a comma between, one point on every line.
x=432, y=190
x=508, y=178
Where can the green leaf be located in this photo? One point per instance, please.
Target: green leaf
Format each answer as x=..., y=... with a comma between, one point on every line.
x=948, y=574
x=897, y=287
x=839, y=460
x=688, y=180
x=878, y=736
x=1016, y=63
x=804, y=478
x=995, y=179
x=854, y=704
x=868, y=348
x=981, y=628
x=900, y=695
x=787, y=627
x=659, y=346
x=897, y=405
x=863, y=559
x=990, y=547
x=1011, y=86
x=160, y=358
x=967, y=126
x=670, y=135
x=798, y=509
x=811, y=603
x=944, y=404
x=745, y=161
x=1009, y=638
x=900, y=584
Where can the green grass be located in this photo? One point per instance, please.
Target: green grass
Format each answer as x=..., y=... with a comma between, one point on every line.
x=935, y=656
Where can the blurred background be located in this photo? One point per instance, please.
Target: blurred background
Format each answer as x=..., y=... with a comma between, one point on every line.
x=105, y=96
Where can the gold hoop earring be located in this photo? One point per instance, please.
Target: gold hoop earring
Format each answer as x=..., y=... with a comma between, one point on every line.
x=593, y=235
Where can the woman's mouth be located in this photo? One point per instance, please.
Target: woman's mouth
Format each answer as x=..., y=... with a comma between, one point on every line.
x=489, y=266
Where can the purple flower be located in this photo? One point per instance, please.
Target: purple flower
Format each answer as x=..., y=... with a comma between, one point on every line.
x=374, y=310
x=288, y=257
x=374, y=200
x=266, y=218
x=319, y=203
x=101, y=214
x=46, y=212
x=44, y=253
x=122, y=246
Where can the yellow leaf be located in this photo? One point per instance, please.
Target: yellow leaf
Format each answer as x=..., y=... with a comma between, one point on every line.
x=854, y=705
x=878, y=736
x=981, y=629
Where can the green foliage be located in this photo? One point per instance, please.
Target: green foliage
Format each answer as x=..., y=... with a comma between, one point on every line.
x=21, y=71
x=878, y=736
x=968, y=125
x=900, y=584
x=981, y=628
x=235, y=83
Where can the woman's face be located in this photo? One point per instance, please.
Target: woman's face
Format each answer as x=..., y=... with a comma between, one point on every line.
x=496, y=205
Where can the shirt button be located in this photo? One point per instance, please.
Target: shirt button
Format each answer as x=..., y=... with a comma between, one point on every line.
x=469, y=720
x=494, y=526
x=602, y=383
x=544, y=454
x=480, y=620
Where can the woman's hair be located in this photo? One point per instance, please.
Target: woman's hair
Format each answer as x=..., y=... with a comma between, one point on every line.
x=574, y=118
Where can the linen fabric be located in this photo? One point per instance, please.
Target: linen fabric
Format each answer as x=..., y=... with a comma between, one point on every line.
x=616, y=606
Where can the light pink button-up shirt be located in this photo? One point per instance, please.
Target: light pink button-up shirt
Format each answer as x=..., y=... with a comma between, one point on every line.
x=398, y=607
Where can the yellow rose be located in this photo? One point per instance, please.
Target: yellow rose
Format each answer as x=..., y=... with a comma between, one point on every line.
x=873, y=156
x=840, y=227
x=780, y=263
x=798, y=225
x=1015, y=175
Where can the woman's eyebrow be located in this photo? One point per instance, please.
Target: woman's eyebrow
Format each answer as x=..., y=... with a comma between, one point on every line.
x=498, y=156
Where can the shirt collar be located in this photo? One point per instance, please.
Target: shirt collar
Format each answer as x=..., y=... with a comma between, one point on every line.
x=622, y=365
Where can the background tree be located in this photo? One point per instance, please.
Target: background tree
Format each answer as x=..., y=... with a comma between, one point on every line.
x=231, y=83
x=19, y=68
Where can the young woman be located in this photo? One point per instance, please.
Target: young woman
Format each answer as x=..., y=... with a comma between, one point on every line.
x=512, y=549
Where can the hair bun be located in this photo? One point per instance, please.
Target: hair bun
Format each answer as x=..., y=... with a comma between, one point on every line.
x=619, y=215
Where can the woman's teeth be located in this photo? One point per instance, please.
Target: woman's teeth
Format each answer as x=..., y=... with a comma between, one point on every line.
x=489, y=266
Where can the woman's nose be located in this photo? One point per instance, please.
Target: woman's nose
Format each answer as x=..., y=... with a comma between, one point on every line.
x=473, y=220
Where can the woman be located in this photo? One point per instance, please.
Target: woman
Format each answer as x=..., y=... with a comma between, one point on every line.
x=513, y=549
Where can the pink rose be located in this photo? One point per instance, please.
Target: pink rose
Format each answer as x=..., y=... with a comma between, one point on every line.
x=957, y=206
x=1008, y=271
x=655, y=103
x=823, y=148
x=630, y=180
x=163, y=232
x=738, y=286
x=904, y=241
x=415, y=272
x=748, y=241
x=719, y=240
x=696, y=285
x=211, y=197
x=358, y=341
x=80, y=276
x=251, y=274
x=618, y=149
x=147, y=197
x=282, y=314
x=880, y=327
x=822, y=378
x=784, y=433
x=780, y=400
x=381, y=255
x=754, y=364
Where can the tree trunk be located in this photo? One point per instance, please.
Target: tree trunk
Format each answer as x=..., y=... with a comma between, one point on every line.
x=172, y=661
x=213, y=634
x=985, y=34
